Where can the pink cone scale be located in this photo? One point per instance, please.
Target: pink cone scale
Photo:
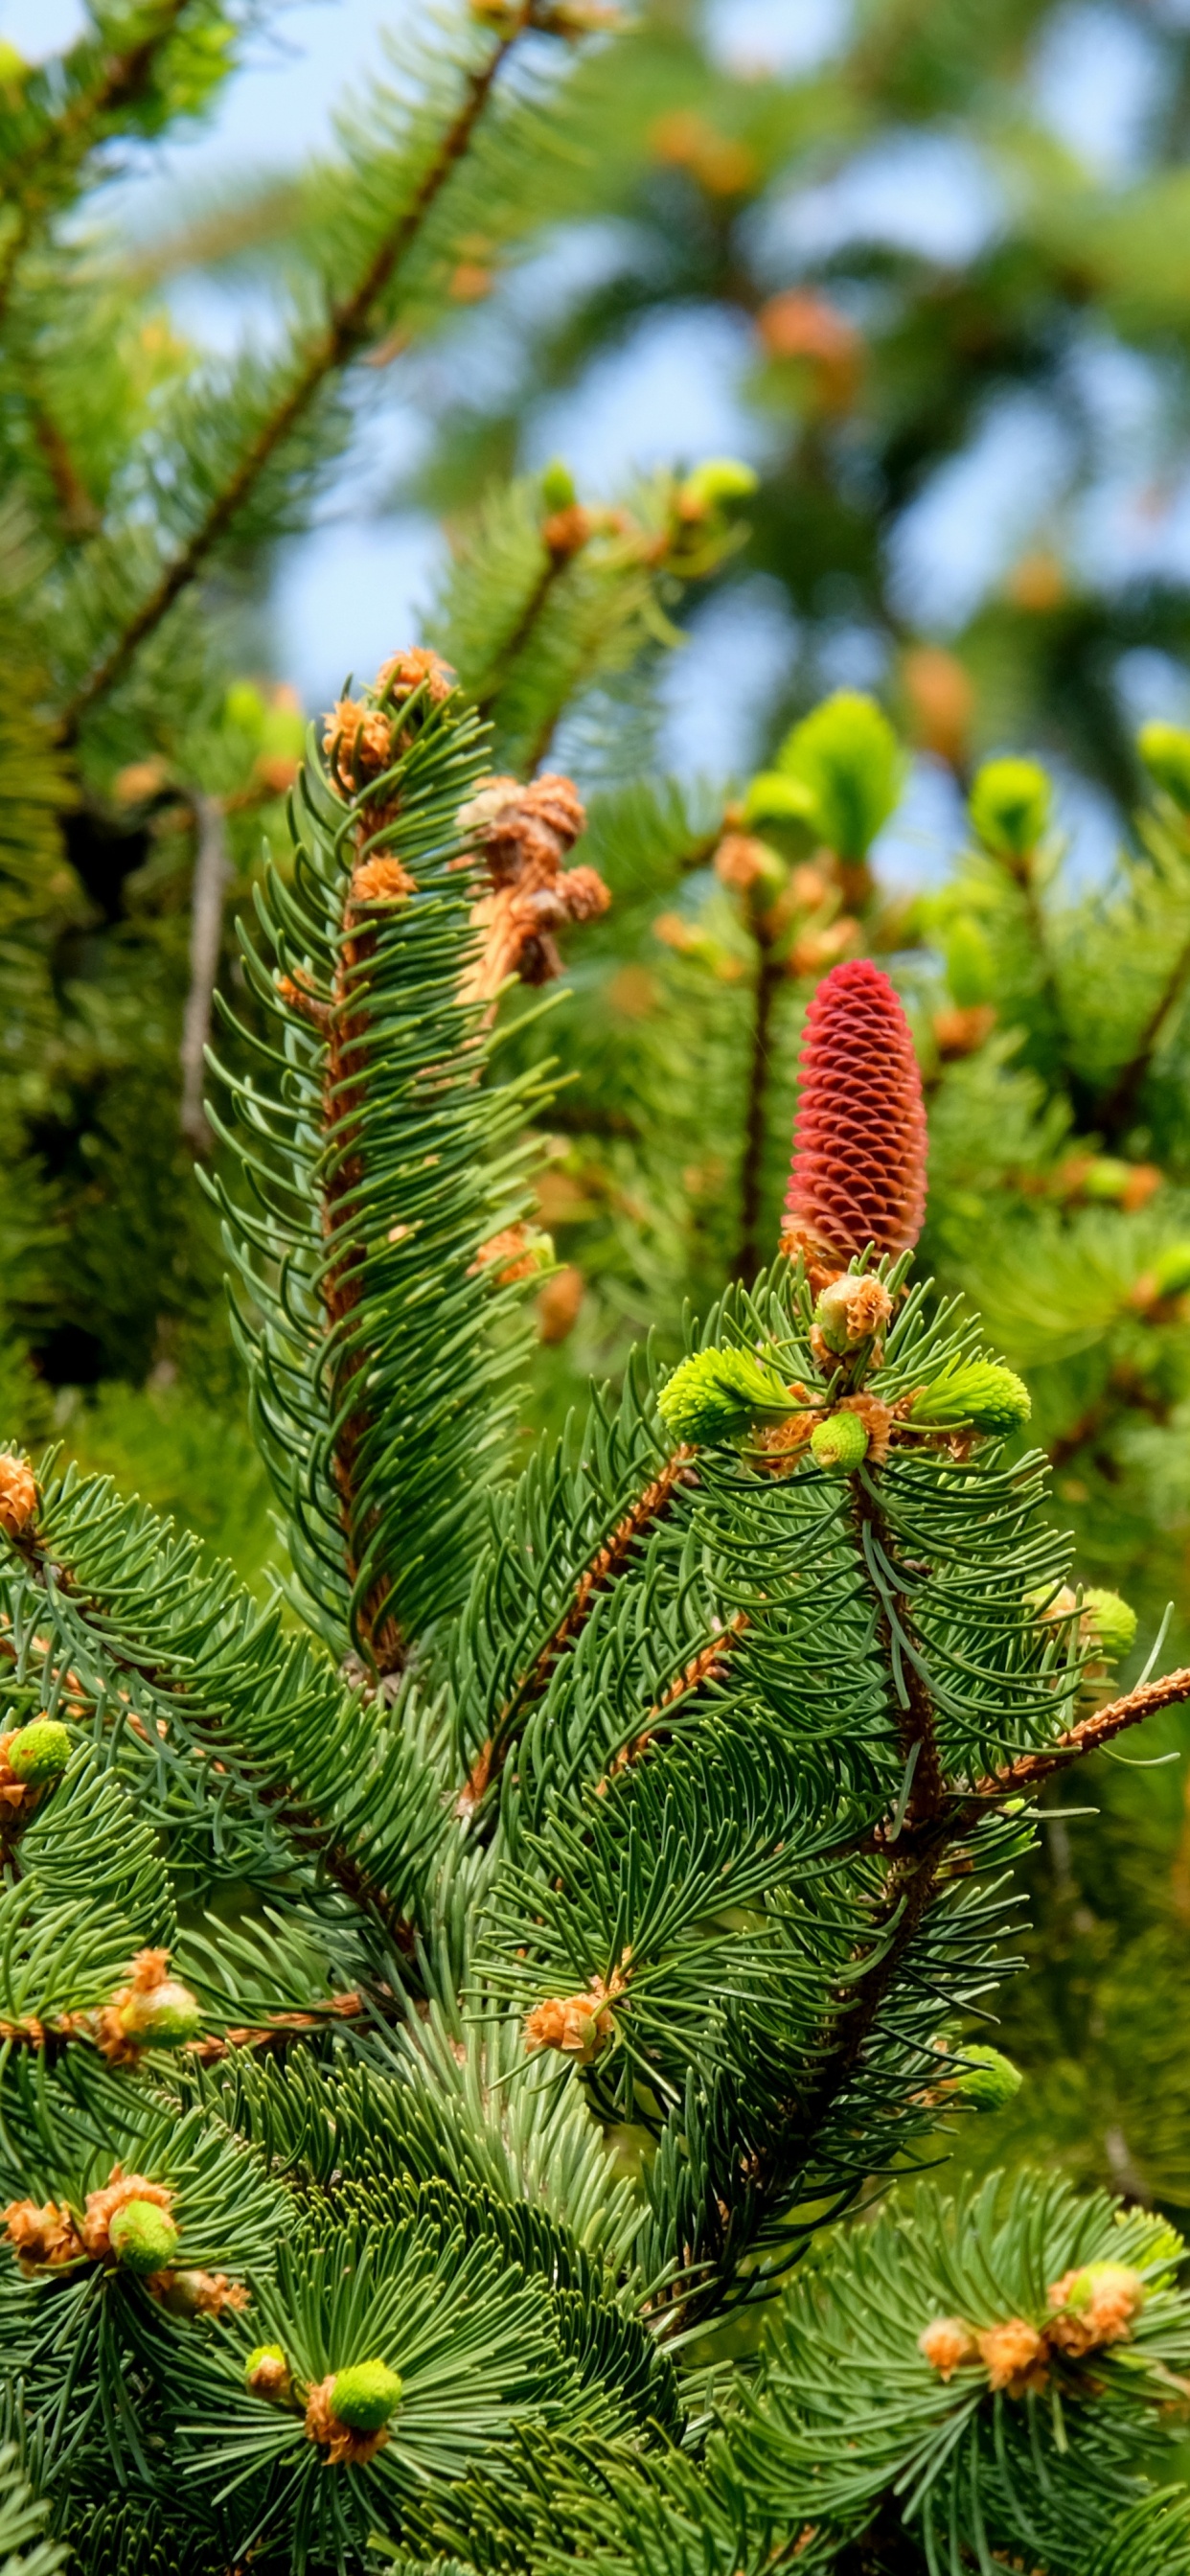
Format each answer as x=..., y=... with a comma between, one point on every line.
x=859, y=1160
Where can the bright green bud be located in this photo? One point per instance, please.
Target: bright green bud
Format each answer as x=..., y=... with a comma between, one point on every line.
x=988, y=2079
x=716, y=1395
x=14, y=70
x=980, y=1397
x=1171, y=1270
x=1165, y=751
x=143, y=2237
x=364, y=2396
x=1010, y=806
x=719, y=479
x=848, y=756
x=1105, y=1178
x=39, y=1752
x=1112, y=1622
x=773, y=798
x=245, y=708
x=840, y=1441
x=557, y=486
x=163, y=2016
x=970, y=966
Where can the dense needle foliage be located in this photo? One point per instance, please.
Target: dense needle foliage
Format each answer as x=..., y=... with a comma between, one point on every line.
x=425, y=2040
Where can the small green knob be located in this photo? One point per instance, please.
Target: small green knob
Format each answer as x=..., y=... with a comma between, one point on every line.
x=988, y=2079
x=39, y=1752
x=163, y=2016
x=364, y=2395
x=1010, y=806
x=841, y=1441
x=143, y=2237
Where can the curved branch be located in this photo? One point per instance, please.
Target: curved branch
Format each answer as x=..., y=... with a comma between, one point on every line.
x=1091, y=1731
x=343, y=336
x=122, y=79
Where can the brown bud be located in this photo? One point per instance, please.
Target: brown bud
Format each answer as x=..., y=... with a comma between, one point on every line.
x=558, y=1305
x=18, y=1494
x=566, y=532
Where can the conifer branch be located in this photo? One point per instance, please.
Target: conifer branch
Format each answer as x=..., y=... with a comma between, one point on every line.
x=557, y=559
x=602, y=1570
x=913, y=1703
x=1117, y=1110
x=121, y=81
x=297, y=1818
x=344, y=335
x=1086, y=1737
x=77, y=511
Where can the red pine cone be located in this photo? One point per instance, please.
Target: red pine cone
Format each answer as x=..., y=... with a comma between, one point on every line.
x=859, y=1163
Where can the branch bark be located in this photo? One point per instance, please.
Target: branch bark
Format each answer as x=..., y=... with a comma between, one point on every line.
x=768, y=976
x=1091, y=1732
x=212, y=868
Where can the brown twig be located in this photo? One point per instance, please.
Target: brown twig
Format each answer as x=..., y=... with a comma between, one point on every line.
x=211, y=871
x=1086, y=1737
x=539, y=596
x=915, y=1721
x=377, y=1633
x=768, y=976
x=1117, y=1109
x=608, y=1561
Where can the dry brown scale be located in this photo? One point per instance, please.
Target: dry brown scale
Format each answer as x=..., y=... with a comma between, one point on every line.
x=341, y=2444
x=1091, y=2307
x=524, y=834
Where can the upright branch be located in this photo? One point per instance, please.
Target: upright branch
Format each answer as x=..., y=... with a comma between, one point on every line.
x=387, y=1156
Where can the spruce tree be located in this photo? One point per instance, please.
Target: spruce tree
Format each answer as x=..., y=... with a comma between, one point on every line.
x=443, y=2013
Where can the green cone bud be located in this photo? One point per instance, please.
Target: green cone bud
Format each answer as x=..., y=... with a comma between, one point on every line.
x=719, y=479
x=143, y=2237
x=1165, y=751
x=1171, y=1271
x=848, y=756
x=970, y=965
x=1112, y=1623
x=981, y=1397
x=557, y=486
x=266, y=2371
x=840, y=1441
x=716, y=1395
x=164, y=2016
x=773, y=798
x=1010, y=806
x=365, y=2395
x=39, y=1752
x=1106, y=1177
x=1111, y=2281
x=988, y=2079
